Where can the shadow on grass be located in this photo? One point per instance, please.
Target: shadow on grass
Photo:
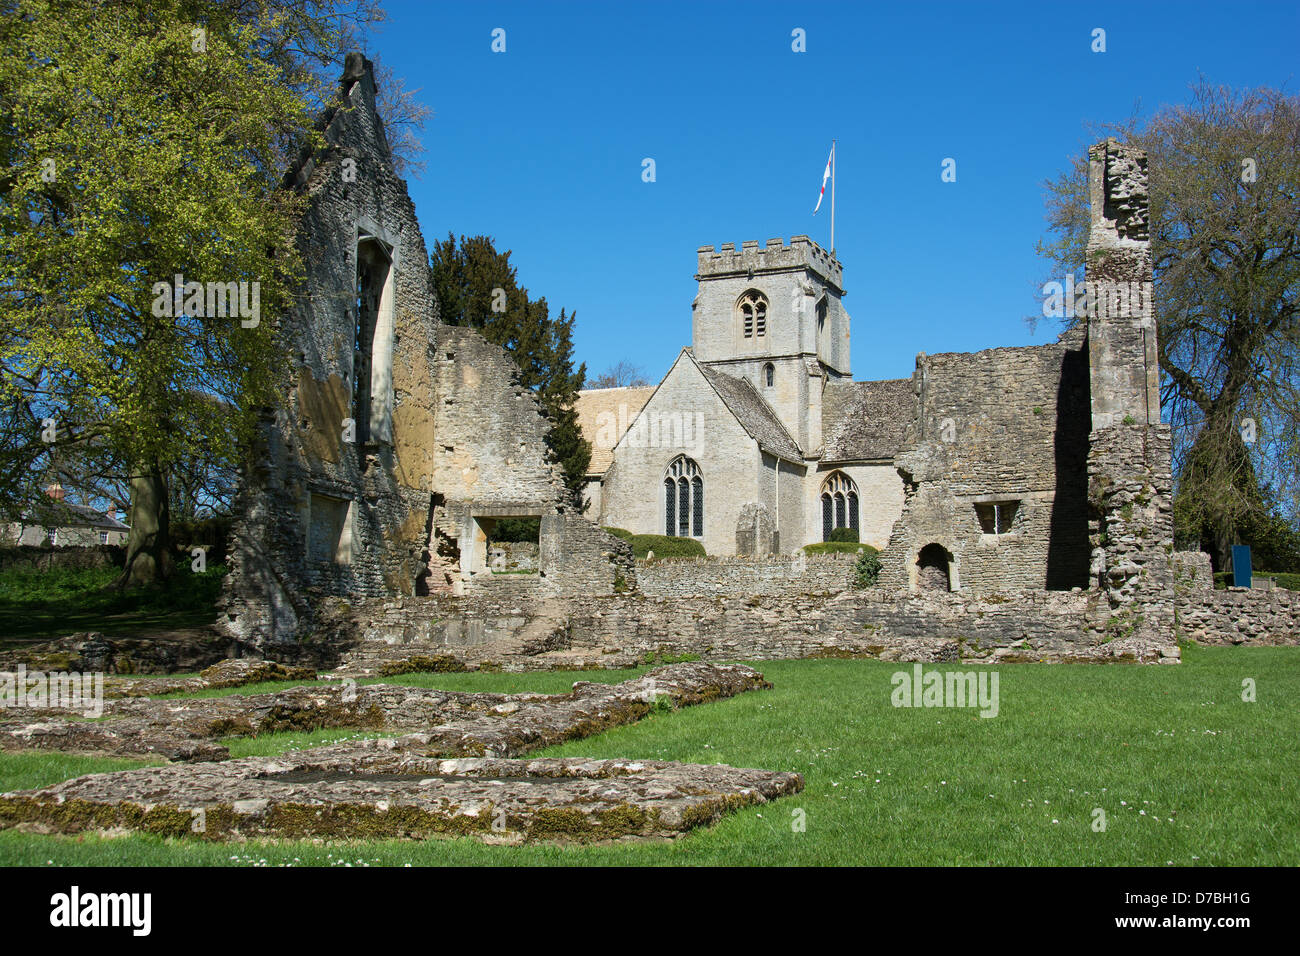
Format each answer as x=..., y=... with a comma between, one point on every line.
x=37, y=606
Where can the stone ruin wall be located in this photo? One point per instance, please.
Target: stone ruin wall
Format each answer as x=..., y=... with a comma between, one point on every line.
x=517, y=632
x=450, y=436
x=1130, y=480
x=1000, y=425
x=493, y=462
x=465, y=445
x=784, y=574
x=381, y=484
x=1192, y=571
x=1238, y=616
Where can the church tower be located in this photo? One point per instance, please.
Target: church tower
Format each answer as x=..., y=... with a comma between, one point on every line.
x=774, y=316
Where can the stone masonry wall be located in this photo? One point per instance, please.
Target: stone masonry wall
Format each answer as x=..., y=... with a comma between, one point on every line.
x=521, y=632
x=1003, y=425
x=370, y=492
x=1192, y=572
x=490, y=428
x=492, y=463
x=807, y=574
x=398, y=441
x=518, y=631
x=1239, y=616
x=1131, y=527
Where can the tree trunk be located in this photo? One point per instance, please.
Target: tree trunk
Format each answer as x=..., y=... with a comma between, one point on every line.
x=148, y=549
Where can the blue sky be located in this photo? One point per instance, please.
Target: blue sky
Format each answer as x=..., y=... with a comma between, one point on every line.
x=541, y=146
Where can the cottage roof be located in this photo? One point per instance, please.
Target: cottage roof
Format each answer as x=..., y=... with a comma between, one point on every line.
x=598, y=409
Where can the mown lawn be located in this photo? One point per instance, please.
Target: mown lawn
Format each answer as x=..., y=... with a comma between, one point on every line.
x=38, y=606
x=1186, y=772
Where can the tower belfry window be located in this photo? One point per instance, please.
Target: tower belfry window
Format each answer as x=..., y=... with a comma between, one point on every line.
x=752, y=310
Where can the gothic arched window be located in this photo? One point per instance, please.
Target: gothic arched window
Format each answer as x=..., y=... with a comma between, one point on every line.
x=751, y=309
x=769, y=374
x=839, y=503
x=683, y=499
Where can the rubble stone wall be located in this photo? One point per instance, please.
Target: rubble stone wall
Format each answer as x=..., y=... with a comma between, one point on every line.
x=323, y=509
x=1192, y=571
x=1239, y=616
x=996, y=427
x=519, y=632
x=795, y=574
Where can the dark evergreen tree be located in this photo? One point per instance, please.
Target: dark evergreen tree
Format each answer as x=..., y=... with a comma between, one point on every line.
x=477, y=287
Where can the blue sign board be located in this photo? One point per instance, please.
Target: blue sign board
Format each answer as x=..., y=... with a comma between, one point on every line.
x=1241, y=565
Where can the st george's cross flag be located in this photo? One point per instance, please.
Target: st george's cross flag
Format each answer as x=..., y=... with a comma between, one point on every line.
x=825, y=176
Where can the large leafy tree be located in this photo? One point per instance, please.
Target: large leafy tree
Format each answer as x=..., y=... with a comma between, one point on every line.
x=477, y=287
x=1225, y=207
x=142, y=140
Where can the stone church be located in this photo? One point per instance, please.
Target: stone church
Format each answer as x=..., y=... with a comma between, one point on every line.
x=972, y=475
x=757, y=440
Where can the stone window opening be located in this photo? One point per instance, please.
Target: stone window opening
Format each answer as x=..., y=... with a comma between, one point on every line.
x=997, y=517
x=683, y=499
x=372, y=348
x=839, y=504
x=329, y=530
x=934, y=568
x=769, y=374
x=514, y=545
x=502, y=543
x=752, y=309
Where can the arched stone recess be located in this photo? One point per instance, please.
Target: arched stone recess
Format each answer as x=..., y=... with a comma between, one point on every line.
x=935, y=570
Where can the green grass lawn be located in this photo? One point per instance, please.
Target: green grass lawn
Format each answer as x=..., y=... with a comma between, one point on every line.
x=38, y=606
x=1187, y=773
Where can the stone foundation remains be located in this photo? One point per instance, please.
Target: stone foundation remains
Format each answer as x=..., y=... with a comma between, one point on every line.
x=390, y=789
x=458, y=776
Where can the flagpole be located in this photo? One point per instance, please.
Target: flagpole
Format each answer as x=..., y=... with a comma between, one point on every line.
x=832, y=197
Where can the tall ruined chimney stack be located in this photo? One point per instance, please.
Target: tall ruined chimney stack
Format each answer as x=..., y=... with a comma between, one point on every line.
x=1130, y=482
x=1124, y=361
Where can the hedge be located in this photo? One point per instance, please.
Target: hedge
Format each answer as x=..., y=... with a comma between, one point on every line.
x=835, y=547
x=666, y=547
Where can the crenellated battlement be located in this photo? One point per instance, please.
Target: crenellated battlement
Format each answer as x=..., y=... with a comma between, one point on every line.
x=801, y=253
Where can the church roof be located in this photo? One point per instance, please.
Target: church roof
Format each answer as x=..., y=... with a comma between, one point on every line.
x=753, y=413
x=616, y=407
x=863, y=421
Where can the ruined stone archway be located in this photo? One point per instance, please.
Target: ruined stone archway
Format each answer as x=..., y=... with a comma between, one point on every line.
x=934, y=568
